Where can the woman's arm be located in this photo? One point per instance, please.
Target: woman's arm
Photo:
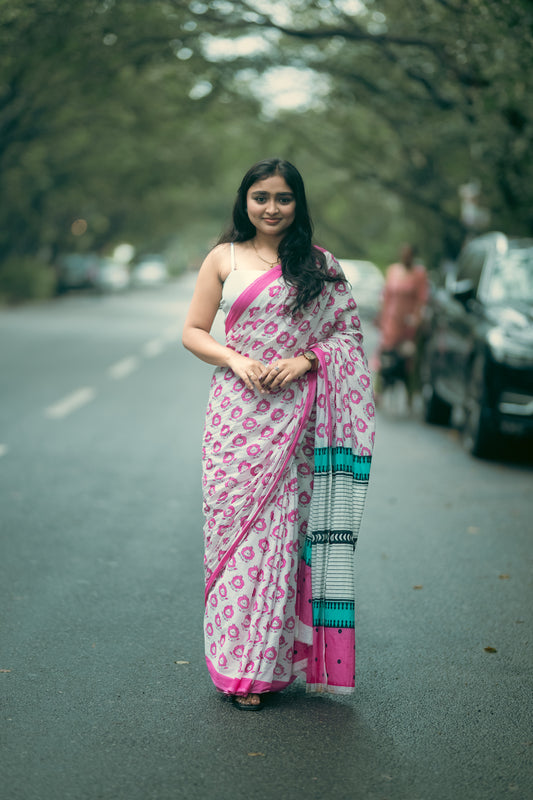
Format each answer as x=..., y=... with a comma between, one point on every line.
x=196, y=335
x=204, y=305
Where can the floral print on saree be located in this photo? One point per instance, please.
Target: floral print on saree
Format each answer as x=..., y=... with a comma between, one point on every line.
x=284, y=481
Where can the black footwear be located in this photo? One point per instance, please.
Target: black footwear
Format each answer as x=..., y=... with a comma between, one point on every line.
x=238, y=701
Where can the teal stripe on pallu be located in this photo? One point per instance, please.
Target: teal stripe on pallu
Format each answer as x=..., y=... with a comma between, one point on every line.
x=334, y=613
x=342, y=459
x=306, y=553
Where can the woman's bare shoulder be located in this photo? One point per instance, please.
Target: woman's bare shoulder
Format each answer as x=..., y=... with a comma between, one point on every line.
x=219, y=260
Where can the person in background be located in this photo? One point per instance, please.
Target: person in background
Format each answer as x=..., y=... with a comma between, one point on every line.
x=404, y=298
x=287, y=447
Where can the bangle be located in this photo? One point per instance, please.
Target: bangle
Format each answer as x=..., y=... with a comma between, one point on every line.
x=312, y=358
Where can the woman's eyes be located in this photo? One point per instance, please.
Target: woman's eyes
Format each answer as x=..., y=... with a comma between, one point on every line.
x=284, y=201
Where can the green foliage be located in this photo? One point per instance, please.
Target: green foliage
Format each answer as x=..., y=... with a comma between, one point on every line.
x=113, y=112
x=25, y=278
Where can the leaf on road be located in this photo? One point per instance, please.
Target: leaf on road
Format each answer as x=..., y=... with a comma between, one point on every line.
x=503, y=577
x=256, y=754
x=182, y=662
x=418, y=586
x=472, y=529
x=490, y=650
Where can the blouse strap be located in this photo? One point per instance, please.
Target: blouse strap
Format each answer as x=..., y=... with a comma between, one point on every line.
x=232, y=251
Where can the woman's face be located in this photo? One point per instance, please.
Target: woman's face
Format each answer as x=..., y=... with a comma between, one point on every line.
x=271, y=206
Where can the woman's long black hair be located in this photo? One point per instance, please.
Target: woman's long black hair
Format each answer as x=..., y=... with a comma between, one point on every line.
x=302, y=265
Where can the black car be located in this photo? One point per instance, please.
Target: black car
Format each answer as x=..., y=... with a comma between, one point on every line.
x=476, y=365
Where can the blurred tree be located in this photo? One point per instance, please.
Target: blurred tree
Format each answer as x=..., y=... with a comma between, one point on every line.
x=132, y=117
x=108, y=114
x=424, y=96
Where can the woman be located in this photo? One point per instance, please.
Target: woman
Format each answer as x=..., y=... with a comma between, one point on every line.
x=404, y=298
x=287, y=447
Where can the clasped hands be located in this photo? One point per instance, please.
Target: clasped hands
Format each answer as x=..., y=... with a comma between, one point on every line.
x=268, y=378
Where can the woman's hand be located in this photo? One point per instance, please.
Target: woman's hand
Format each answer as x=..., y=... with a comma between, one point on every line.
x=284, y=371
x=249, y=370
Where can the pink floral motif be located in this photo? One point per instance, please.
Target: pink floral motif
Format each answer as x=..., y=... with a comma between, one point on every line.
x=256, y=509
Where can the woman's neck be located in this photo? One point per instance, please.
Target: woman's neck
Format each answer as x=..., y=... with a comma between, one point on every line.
x=271, y=243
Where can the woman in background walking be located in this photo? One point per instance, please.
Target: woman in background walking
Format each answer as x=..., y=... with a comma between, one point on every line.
x=404, y=298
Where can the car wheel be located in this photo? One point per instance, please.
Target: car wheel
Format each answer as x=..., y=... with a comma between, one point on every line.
x=479, y=435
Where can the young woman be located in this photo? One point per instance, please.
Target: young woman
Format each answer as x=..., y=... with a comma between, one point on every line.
x=405, y=295
x=287, y=447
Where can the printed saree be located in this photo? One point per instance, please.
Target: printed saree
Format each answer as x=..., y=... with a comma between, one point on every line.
x=284, y=480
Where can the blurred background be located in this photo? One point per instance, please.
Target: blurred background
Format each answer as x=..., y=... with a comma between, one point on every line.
x=124, y=121
x=125, y=129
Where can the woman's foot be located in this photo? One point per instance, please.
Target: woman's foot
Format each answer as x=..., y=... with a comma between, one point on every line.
x=249, y=702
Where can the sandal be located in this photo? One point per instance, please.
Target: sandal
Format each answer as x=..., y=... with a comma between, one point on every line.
x=240, y=702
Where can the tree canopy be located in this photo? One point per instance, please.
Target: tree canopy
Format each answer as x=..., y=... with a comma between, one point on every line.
x=140, y=117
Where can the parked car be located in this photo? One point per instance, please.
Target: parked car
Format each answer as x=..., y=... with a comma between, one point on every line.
x=150, y=270
x=367, y=282
x=76, y=271
x=111, y=276
x=477, y=355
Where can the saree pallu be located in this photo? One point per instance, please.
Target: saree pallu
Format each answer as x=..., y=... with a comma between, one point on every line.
x=284, y=483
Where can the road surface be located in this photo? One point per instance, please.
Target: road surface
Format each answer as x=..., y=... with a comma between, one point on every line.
x=105, y=695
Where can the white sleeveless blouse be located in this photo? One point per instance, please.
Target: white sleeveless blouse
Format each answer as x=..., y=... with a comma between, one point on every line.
x=237, y=281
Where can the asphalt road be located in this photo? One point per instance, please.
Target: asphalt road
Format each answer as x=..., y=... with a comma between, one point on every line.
x=104, y=691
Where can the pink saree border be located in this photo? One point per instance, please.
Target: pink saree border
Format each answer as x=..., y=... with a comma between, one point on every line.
x=322, y=360
x=249, y=294
x=243, y=686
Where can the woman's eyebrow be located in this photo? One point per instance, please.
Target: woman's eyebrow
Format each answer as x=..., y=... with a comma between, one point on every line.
x=279, y=194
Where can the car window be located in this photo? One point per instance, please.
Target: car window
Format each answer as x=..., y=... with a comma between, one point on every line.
x=471, y=263
x=512, y=277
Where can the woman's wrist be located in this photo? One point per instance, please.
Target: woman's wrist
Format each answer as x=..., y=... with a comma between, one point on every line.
x=311, y=359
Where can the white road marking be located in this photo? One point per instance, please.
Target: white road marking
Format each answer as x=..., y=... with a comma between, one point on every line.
x=4, y=450
x=70, y=403
x=153, y=348
x=123, y=368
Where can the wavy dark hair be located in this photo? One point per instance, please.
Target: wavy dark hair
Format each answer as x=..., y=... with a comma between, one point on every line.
x=302, y=265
